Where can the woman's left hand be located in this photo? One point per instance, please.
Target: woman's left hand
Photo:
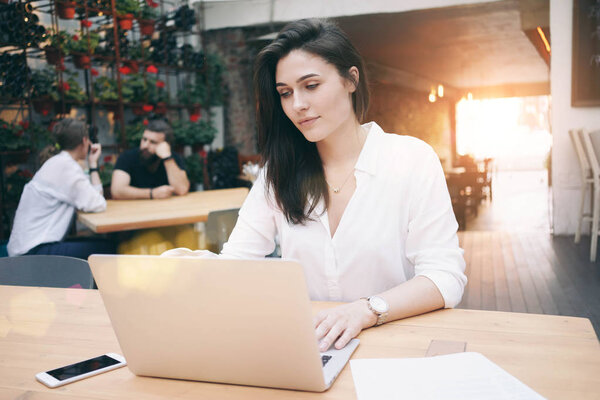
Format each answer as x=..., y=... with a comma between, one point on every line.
x=345, y=321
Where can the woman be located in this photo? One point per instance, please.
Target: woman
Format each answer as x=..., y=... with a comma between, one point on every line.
x=366, y=213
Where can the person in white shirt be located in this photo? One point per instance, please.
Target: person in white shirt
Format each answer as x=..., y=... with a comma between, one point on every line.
x=367, y=214
x=49, y=200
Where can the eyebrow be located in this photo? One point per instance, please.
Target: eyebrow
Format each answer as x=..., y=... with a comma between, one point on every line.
x=298, y=80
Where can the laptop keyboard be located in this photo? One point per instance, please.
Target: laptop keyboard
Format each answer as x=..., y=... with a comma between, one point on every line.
x=325, y=359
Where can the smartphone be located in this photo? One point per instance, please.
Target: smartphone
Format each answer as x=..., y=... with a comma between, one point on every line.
x=81, y=370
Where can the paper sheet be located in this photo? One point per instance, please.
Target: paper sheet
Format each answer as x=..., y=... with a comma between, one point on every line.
x=462, y=376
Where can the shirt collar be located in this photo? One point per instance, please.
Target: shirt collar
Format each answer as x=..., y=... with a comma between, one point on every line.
x=367, y=160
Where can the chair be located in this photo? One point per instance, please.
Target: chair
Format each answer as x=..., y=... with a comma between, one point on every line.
x=587, y=180
x=46, y=270
x=218, y=228
x=591, y=141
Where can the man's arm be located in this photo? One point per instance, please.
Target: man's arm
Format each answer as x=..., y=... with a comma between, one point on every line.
x=177, y=177
x=121, y=189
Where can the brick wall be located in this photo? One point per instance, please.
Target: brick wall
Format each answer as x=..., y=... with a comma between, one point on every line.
x=394, y=108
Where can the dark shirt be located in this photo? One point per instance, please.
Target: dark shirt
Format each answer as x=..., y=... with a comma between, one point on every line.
x=130, y=162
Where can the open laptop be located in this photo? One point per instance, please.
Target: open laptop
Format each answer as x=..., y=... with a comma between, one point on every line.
x=246, y=322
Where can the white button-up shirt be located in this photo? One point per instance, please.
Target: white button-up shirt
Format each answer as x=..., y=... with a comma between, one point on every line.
x=48, y=203
x=398, y=224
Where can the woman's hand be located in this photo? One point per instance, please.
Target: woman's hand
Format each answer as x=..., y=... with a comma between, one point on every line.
x=345, y=321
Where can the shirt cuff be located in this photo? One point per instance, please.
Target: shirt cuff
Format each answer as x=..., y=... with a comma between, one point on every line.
x=449, y=286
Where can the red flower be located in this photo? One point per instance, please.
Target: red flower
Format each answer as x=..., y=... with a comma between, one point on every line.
x=147, y=107
x=160, y=84
x=66, y=87
x=24, y=124
x=86, y=23
x=75, y=37
x=152, y=69
x=125, y=70
x=202, y=153
x=145, y=122
x=44, y=112
x=151, y=3
x=107, y=159
x=194, y=117
x=94, y=72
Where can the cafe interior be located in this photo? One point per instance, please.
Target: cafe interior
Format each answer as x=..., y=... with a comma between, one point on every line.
x=506, y=92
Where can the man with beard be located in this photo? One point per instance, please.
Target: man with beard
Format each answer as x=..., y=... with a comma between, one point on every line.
x=151, y=171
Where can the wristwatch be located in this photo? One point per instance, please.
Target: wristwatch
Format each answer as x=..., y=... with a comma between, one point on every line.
x=167, y=158
x=379, y=307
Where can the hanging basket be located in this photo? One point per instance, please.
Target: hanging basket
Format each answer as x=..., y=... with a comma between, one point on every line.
x=42, y=105
x=146, y=26
x=53, y=55
x=125, y=21
x=82, y=61
x=194, y=109
x=62, y=107
x=65, y=10
x=160, y=108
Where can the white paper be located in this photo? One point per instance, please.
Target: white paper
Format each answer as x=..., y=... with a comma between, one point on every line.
x=460, y=376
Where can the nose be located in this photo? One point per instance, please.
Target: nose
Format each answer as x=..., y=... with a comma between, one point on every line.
x=300, y=103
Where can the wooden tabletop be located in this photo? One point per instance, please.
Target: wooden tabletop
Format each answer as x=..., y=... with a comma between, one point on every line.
x=44, y=328
x=122, y=215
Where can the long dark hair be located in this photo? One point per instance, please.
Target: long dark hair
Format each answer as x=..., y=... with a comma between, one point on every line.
x=294, y=170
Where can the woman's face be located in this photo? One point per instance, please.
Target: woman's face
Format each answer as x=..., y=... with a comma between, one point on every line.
x=313, y=94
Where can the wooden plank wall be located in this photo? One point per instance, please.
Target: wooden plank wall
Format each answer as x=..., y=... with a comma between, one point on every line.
x=530, y=272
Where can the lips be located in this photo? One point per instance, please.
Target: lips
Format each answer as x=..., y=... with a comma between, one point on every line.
x=307, y=121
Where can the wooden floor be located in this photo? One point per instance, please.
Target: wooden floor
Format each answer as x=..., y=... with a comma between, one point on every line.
x=531, y=273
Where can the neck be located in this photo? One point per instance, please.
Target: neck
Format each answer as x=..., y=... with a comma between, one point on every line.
x=342, y=146
x=75, y=154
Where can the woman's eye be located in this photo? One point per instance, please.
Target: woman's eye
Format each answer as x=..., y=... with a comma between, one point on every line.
x=284, y=94
x=312, y=86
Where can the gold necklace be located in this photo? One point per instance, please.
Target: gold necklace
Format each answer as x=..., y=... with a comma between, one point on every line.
x=337, y=189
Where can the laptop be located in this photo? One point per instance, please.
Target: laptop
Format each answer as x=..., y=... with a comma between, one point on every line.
x=246, y=322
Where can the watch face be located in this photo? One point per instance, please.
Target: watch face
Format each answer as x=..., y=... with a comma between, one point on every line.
x=378, y=304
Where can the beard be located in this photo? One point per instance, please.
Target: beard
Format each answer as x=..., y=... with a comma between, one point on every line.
x=148, y=159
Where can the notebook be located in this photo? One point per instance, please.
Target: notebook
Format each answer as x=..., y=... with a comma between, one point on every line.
x=246, y=322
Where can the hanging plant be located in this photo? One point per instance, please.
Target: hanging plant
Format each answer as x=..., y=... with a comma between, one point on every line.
x=126, y=9
x=147, y=19
x=65, y=9
x=82, y=47
x=57, y=47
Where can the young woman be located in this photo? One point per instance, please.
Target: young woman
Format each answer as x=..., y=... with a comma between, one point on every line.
x=366, y=213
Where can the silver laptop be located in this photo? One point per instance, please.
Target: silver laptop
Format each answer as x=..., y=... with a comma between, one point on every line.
x=246, y=322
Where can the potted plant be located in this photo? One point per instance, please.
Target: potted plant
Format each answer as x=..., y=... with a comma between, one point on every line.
x=126, y=9
x=139, y=94
x=82, y=47
x=157, y=95
x=43, y=90
x=193, y=134
x=147, y=18
x=57, y=47
x=194, y=165
x=193, y=96
x=12, y=137
x=107, y=92
x=65, y=9
x=134, y=133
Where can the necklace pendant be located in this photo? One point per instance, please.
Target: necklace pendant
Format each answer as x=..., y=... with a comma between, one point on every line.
x=336, y=190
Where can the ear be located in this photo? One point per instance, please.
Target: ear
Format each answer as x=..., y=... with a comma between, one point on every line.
x=353, y=71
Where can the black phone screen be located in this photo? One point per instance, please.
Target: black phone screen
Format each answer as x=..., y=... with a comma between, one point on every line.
x=82, y=367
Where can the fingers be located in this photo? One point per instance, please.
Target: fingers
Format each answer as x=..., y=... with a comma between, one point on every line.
x=331, y=336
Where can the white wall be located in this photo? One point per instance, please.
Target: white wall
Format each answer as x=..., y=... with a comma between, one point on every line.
x=565, y=169
x=232, y=13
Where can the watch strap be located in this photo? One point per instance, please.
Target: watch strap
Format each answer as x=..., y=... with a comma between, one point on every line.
x=381, y=316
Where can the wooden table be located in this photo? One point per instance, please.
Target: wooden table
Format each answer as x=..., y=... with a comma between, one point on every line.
x=44, y=328
x=122, y=215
